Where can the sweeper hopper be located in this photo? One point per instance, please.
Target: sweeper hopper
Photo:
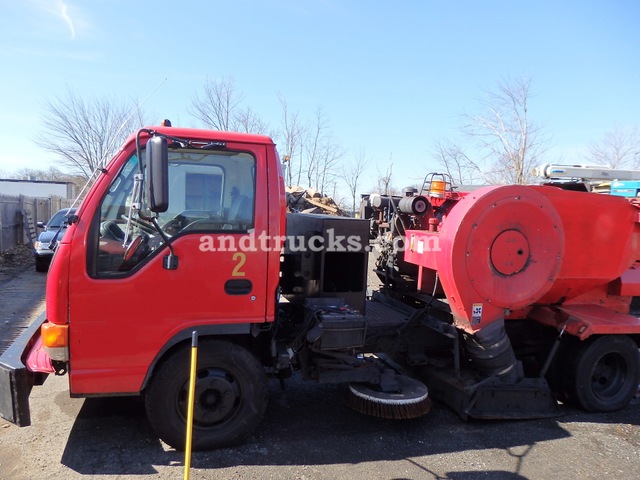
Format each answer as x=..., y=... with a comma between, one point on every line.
x=509, y=258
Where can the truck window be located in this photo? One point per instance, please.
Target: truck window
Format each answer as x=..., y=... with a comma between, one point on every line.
x=209, y=191
x=203, y=191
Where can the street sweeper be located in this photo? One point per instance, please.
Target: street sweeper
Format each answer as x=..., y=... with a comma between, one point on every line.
x=497, y=302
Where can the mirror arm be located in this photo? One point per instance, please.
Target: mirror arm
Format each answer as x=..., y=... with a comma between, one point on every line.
x=135, y=205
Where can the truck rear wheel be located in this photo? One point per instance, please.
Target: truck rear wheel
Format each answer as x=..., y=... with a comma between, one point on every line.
x=604, y=374
x=231, y=395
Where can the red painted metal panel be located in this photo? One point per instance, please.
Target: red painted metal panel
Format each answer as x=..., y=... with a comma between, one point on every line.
x=38, y=360
x=501, y=249
x=583, y=321
x=118, y=325
x=628, y=284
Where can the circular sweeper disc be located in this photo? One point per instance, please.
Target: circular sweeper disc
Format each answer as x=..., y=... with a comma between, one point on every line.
x=411, y=401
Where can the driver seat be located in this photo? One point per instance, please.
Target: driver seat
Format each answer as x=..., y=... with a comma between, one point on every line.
x=240, y=210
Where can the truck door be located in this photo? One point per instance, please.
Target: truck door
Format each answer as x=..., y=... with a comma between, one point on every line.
x=126, y=305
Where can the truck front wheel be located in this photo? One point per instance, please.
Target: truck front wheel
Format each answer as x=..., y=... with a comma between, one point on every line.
x=604, y=374
x=231, y=395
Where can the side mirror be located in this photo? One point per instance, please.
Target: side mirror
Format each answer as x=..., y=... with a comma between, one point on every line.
x=158, y=174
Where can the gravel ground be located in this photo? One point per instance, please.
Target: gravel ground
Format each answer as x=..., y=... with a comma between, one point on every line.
x=308, y=433
x=21, y=293
x=15, y=260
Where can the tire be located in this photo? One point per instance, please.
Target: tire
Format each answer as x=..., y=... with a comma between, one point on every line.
x=231, y=396
x=42, y=264
x=604, y=374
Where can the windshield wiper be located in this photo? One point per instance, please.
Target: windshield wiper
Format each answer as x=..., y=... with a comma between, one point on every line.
x=70, y=220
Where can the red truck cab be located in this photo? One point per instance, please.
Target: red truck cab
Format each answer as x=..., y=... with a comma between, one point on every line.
x=128, y=285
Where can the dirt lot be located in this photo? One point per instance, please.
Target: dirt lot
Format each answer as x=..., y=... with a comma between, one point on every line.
x=21, y=293
x=308, y=433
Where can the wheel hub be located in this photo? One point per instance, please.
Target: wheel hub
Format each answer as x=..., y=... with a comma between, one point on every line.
x=608, y=375
x=216, y=398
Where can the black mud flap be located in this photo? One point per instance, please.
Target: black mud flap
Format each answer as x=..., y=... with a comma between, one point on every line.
x=490, y=398
x=15, y=380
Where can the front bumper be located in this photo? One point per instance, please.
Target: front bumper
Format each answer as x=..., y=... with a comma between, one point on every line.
x=42, y=250
x=15, y=380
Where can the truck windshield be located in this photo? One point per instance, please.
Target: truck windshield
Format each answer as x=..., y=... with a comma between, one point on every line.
x=209, y=191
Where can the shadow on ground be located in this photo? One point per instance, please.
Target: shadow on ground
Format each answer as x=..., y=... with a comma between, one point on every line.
x=307, y=424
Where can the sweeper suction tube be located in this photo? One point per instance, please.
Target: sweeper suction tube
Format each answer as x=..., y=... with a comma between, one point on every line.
x=491, y=352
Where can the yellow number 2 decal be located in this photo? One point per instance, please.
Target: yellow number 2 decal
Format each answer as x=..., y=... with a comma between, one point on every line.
x=240, y=258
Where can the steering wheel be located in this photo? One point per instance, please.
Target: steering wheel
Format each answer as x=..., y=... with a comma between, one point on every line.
x=111, y=230
x=174, y=225
x=204, y=224
x=137, y=249
x=194, y=219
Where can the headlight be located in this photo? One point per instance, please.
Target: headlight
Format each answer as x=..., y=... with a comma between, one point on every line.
x=44, y=247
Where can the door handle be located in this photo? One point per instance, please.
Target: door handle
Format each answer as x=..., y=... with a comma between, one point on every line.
x=238, y=287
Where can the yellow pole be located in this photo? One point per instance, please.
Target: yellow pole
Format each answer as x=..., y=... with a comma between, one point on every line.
x=192, y=391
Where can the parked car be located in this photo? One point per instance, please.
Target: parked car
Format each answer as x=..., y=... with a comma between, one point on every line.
x=49, y=238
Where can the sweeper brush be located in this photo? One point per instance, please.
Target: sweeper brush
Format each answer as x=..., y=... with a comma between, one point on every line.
x=411, y=400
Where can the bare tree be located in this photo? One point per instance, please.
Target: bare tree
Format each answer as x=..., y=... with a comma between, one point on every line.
x=457, y=164
x=246, y=120
x=85, y=132
x=385, y=179
x=217, y=104
x=220, y=107
x=313, y=146
x=619, y=148
x=352, y=173
x=330, y=156
x=512, y=142
x=52, y=174
x=292, y=135
x=322, y=153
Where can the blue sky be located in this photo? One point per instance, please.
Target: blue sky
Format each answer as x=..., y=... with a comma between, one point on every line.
x=391, y=76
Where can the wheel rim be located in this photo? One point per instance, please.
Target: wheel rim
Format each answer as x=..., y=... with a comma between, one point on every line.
x=217, y=397
x=608, y=376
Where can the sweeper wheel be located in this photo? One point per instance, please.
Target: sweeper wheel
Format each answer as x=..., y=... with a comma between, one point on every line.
x=411, y=401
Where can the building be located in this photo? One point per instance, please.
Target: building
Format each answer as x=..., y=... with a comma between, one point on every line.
x=37, y=188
